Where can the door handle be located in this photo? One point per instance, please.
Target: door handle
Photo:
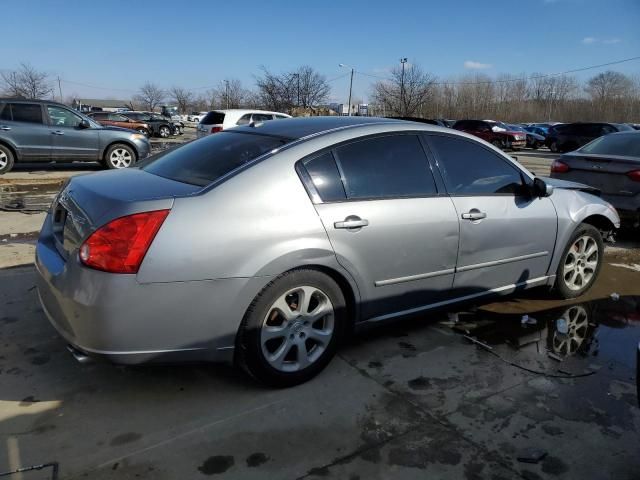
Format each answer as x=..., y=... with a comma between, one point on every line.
x=57, y=132
x=5, y=128
x=474, y=214
x=351, y=222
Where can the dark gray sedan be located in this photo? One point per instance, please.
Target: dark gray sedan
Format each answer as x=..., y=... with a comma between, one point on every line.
x=267, y=244
x=611, y=164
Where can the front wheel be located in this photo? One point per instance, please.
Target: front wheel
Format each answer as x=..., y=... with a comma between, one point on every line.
x=497, y=144
x=291, y=330
x=581, y=262
x=164, y=131
x=119, y=156
x=554, y=147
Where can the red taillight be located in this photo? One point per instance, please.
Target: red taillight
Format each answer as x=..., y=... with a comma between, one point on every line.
x=634, y=175
x=559, y=167
x=216, y=129
x=120, y=245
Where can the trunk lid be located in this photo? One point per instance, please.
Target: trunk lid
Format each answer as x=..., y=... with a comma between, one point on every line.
x=606, y=173
x=89, y=201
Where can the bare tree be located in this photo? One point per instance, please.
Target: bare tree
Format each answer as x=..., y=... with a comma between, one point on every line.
x=150, y=96
x=182, y=97
x=405, y=94
x=607, y=85
x=27, y=82
x=304, y=87
x=229, y=94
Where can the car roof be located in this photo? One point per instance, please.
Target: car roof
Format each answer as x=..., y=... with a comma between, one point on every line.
x=300, y=127
x=31, y=100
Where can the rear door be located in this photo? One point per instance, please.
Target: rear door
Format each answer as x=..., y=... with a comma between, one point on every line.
x=389, y=225
x=22, y=124
x=70, y=141
x=506, y=236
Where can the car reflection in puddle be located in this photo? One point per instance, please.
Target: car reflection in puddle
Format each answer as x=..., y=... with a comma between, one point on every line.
x=574, y=340
x=30, y=198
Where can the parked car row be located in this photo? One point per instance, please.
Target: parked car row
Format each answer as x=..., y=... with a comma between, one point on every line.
x=46, y=131
x=149, y=123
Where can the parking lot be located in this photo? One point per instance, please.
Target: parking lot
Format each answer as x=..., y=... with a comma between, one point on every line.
x=498, y=390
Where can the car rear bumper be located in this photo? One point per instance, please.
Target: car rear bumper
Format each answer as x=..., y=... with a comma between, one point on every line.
x=114, y=316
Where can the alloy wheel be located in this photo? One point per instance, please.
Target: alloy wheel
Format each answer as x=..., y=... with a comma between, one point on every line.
x=164, y=132
x=567, y=344
x=581, y=263
x=4, y=160
x=120, y=158
x=297, y=329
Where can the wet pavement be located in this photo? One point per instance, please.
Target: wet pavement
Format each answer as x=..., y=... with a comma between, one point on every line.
x=477, y=393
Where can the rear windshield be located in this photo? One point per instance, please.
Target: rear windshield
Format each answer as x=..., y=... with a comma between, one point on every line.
x=213, y=118
x=204, y=161
x=627, y=144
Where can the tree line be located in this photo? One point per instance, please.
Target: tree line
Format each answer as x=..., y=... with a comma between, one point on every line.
x=409, y=92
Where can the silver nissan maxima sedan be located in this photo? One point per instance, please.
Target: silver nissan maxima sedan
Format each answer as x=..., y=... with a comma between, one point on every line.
x=267, y=244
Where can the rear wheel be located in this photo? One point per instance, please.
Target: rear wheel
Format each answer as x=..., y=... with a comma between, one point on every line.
x=6, y=159
x=119, y=156
x=292, y=328
x=554, y=147
x=497, y=144
x=581, y=262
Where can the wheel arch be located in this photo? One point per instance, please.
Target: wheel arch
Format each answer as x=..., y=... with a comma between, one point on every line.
x=116, y=142
x=14, y=150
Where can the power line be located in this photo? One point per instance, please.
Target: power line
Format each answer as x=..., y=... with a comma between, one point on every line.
x=518, y=79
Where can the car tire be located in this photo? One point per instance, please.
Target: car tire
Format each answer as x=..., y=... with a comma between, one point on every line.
x=554, y=147
x=497, y=144
x=119, y=156
x=164, y=131
x=6, y=159
x=143, y=131
x=282, y=343
x=580, y=262
x=535, y=145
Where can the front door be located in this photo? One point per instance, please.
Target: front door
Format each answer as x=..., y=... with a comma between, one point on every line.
x=390, y=228
x=507, y=236
x=71, y=142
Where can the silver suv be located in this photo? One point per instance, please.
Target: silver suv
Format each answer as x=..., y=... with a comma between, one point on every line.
x=45, y=131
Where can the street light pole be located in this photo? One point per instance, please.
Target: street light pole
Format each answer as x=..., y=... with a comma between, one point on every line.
x=226, y=92
x=350, y=83
x=402, y=61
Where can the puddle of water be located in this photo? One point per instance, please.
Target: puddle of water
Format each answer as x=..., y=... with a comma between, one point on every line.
x=601, y=331
x=27, y=198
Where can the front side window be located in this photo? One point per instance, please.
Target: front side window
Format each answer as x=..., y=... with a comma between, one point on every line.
x=206, y=160
x=25, y=112
x=470, y=169
x=114, y=117
x=385, y=167
x=61, y=117
x=326, y=177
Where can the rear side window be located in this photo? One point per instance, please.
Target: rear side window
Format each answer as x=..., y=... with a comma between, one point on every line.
x=326, y=177
x=261, y=117
x=23, y=112
x=213, y=118
x=470, y=169
x=204, y=161
x=385, y=167
x=627, y=144
x=244, y=120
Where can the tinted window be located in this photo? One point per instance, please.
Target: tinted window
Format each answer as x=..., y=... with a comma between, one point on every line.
x=392, y=166
x=627, y=144
x=99, y=116
x=607, y=129
x=114, y=117
x=26, y=112
x=470, y=169
x=278, y=117
x=61, y=117
x=325, y=177
x=213, y=118
x=206, y=160
x=5, y=112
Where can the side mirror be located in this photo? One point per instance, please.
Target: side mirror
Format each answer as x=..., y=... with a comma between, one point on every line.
x=541, y=189
x=84, y=124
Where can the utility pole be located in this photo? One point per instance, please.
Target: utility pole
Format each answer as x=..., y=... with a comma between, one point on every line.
x=350, y=89
x=226, y=92
x=402, y=61
x=59, y=88
x=297, y=75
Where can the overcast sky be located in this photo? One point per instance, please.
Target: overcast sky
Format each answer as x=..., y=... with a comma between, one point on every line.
x=118, y=45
